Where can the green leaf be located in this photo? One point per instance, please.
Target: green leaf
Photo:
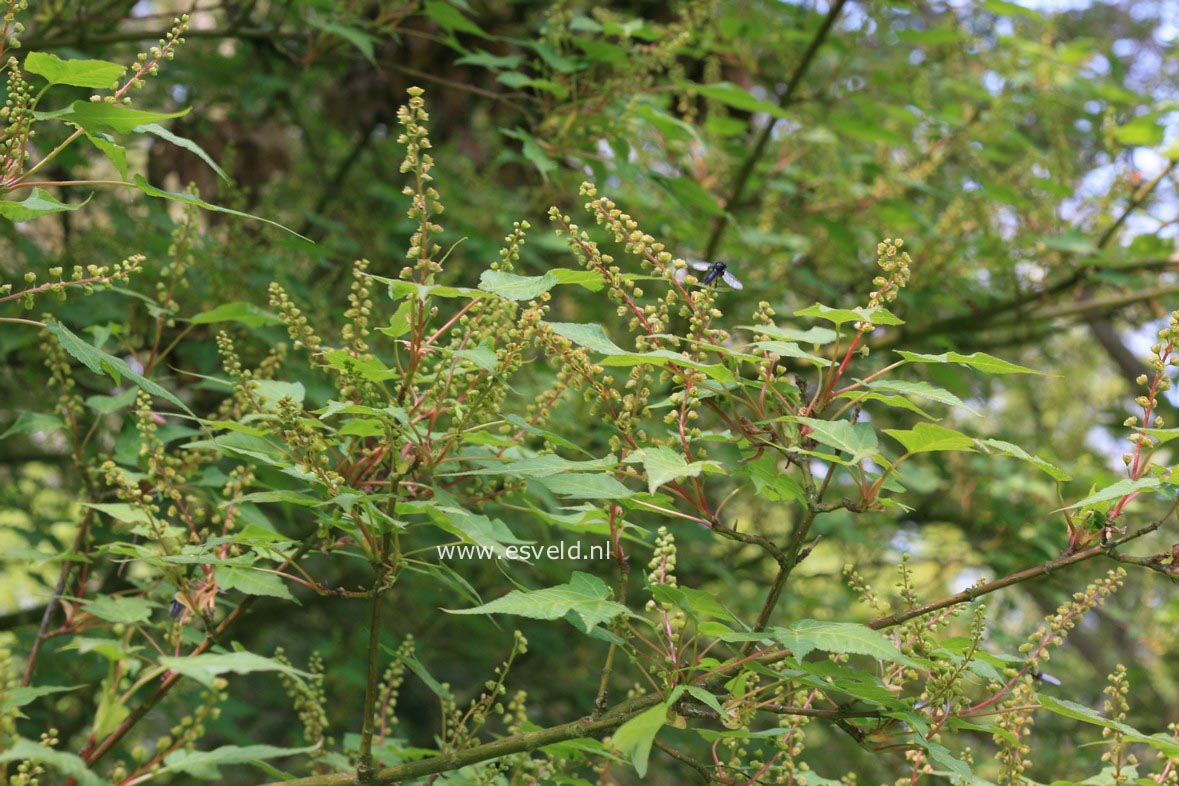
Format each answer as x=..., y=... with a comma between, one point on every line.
x=111, y=710
x=206, y=668
x=587, y=279
x=370, y=368
x=451, y=19
x=423, y=674
x=707, y=699
x=1016, y=452
x=124, y=610
x=732, y=95
x=109, y=405
x=517, y=81
x=532, y=150
x=513, y=287
x=100, y=117
x=155, y=129
x=602, y=51
x=979, y=360
x=697, y=603
x=899, y=402
x=80, y=73
x=663, y=358
x=360, y=39
x=1070, y=709
x=586, y=486
x=862, y=127
x=554, y=59
x=543, y=466
x=664, y=465
x=788, y=349
x=34, y=423
x=1009, y=8
x=286, y=497
x=586, y=597
x=116, y=154
x=252, y=582
x=399, y=323
x=67, y=764
x=188, y=199
x=849, y=638
x=555, y=440
x=269, y=392
x=363, y=427
x=101, y=363
x=19, y=697
x=474, y=528
x=814, y=335
x=771, y=482
x=1071, y=243
x=941, y=755
x=590, y=336
x=690, y=194
x=399, y=289
x=121, y=512
x=489, y=60
x=634, y=738
x=204, y=764
x=1144, y=131
x=240, y=444
x=38, y=203
x=858, y=440
x=241, y=312
x=929, y=438
x=840, y=316
x=1116, y=491
x=922, y=389
x=1162, y=435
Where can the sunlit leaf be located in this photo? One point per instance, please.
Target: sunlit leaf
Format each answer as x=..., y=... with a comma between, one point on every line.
x=585, y=596
x=207, y=667
x=514, y=287
x=97, y=74
x=246, y=314
x=930, y=437
x=663, y=465
x=977, y=360
x=857, y=440
x=1118, y=490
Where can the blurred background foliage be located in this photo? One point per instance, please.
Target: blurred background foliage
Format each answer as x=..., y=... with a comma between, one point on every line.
x=1024, y=151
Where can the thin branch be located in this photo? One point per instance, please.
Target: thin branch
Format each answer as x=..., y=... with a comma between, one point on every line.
x=684, y=758
x=365, y=763
x=95, y=752
x=759, y=147
x=973, y=593
x=587, y=726
x=63, y=577
x=984, y=315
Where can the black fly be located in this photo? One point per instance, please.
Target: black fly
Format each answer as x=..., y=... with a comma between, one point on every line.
x=717, y=270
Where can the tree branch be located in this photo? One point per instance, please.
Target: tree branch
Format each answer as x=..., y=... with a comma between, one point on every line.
x=587, y=726
x=969, y=595
x=763, y=138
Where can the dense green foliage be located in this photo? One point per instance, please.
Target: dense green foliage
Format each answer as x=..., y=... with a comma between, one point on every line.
x=844, y=514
